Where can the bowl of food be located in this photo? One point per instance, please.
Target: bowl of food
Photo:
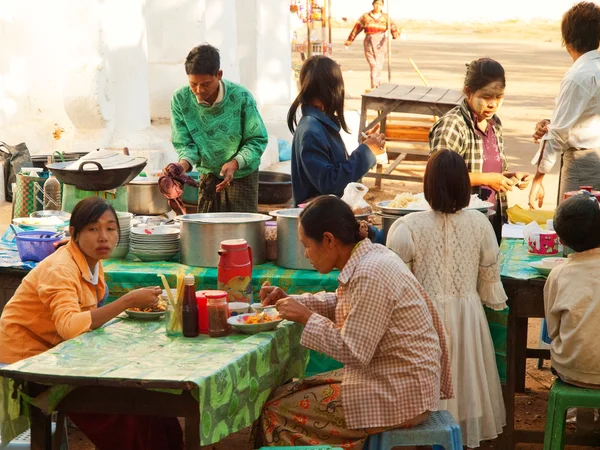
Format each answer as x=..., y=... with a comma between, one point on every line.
x=156, y=313
x=255, y=323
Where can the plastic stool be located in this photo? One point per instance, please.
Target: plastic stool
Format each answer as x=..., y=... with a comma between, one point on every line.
x=23, y=441
x=439, y=430
x=562, y=397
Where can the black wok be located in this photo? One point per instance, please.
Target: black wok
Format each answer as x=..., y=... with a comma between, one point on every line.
x=96, y=180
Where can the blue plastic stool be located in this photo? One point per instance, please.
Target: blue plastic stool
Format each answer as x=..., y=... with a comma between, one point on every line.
x=439, y=430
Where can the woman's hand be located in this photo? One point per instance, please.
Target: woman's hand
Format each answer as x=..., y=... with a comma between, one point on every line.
x=541, y=128
x=498, y=182
x=348, y=43
x=269, y=295
x=375, y=142
x=521, y=179
x=290, y=309
x=144, y=297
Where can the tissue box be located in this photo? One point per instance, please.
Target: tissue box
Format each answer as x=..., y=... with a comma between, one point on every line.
x=543, y=243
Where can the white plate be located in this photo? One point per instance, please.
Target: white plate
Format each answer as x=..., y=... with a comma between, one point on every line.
x=160, y=230
x=484, y=207
x=239, y=322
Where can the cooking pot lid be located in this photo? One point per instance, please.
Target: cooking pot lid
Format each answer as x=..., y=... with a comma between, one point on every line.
x=107, y=159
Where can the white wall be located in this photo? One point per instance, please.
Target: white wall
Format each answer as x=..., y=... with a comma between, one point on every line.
x=458, y=10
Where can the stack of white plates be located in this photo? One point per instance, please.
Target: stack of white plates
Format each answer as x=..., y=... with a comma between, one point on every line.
x=122, y=248
x=154, y=243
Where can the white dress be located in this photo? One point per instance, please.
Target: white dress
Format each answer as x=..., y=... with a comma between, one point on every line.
x=455, y=258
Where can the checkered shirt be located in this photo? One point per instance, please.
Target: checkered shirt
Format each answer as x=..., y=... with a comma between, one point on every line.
x=383, y=327
x=455, y=131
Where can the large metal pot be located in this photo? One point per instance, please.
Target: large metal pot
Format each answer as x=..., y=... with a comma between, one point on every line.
x=290, y=251
x=201, y=236
x=144, y=198
x=386, y=223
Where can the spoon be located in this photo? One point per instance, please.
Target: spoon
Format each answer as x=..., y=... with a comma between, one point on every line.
x=14, y=229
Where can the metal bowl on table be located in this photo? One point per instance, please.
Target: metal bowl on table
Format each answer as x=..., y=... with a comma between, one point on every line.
x=98, y=179
x=274, y=188
x=201, y=236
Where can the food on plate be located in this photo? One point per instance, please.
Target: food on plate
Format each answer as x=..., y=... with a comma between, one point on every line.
x=161, y=307
x=403, y=199
x=417, y=201
x=262, y=317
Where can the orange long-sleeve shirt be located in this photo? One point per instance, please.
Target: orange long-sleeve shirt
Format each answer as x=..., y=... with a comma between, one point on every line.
x=51, y=305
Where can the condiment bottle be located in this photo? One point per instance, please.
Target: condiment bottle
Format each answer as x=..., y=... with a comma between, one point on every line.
x=216, y=303
x=51, y=192
x=189, y=310
x=202, y=312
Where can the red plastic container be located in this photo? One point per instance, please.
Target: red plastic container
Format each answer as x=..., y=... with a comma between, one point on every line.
x=202, y=312
x=590, y=189
x=235, y=270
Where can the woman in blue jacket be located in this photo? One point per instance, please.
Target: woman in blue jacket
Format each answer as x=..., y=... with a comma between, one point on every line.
x=320, y=162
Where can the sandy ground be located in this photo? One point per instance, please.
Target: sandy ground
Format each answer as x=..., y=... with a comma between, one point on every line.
x=535, y=63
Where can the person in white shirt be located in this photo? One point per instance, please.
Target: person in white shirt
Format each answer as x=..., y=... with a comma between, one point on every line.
x=573, y=133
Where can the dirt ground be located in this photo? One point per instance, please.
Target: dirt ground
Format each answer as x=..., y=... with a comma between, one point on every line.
x=535, y=63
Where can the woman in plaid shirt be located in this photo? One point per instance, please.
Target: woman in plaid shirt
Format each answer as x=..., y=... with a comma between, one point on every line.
x=474, y=131
x=379, y=323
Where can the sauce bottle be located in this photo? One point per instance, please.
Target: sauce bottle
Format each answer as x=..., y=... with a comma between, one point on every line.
x=216, y=304
x=189, y=310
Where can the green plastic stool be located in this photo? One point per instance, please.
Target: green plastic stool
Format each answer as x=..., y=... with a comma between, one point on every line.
x=562, y=397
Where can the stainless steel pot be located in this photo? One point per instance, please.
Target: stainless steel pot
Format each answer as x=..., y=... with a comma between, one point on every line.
x=144, y=198
x=386, y=223
x=201, y=236
x=290, y=251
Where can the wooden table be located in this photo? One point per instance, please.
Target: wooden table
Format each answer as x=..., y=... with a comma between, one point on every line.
x=389, y=98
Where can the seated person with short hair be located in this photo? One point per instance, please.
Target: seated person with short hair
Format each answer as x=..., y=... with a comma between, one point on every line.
x=572, y=293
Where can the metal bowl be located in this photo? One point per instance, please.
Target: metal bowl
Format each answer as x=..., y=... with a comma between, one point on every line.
x=96, y=180
x=274, y=188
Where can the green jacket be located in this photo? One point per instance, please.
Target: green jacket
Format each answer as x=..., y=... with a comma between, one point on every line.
x=209, y=136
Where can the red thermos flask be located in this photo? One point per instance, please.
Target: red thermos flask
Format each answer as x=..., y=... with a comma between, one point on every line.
x=235, y=270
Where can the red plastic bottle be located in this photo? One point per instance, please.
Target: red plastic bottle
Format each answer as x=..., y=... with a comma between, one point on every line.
x=235, y=270
x=202, y=312
x=189, y=311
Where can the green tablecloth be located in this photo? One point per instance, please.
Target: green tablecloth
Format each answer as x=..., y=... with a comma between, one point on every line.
x=234, y=380
x=515, y=259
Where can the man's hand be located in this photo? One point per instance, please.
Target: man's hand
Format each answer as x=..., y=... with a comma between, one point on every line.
x=541, y=128
x=536, y=195
x=186, y=165
x=290, y=309
x=522, y=179
x=227, y=172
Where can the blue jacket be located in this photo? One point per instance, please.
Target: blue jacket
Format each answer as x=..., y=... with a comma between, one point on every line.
x=320, y=163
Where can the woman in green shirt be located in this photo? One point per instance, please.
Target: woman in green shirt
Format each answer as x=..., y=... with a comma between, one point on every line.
x=217, y=130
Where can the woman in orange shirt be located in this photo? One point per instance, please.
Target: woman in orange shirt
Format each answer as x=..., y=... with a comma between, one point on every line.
x=58, y=300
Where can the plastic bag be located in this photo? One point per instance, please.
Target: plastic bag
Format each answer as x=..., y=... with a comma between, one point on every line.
x=354, y=196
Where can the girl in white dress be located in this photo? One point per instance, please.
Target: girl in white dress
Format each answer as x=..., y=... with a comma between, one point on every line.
x=454, y=254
